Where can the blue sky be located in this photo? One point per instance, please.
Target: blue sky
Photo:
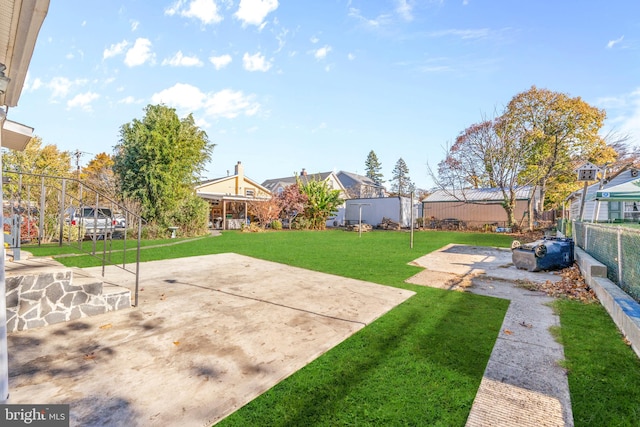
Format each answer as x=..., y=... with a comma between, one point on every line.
x=282, y=85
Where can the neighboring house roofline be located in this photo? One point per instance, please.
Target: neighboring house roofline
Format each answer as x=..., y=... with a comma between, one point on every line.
x=290, y=180
x=477, y=195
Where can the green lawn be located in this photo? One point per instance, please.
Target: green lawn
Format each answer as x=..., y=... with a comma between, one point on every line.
x=421, y=363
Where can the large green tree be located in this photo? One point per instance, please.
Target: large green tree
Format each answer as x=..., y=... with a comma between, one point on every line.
x=373, y=167
x=157, y=161
x=557, y=133
x=401, y=184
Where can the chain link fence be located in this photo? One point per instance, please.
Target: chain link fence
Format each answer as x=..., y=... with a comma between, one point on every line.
x=616, y=246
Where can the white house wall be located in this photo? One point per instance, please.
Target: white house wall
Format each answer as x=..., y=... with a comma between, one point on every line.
x=590, y=205
x=374, y=209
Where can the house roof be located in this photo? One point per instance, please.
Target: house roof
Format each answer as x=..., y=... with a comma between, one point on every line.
x=226, y=178
x=628, y=191
x=476, y=195
x=591, y=189
x=272, y=184
x=20, y=22
x=360, y=178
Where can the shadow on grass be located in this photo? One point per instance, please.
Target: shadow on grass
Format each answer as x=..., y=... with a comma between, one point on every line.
x=420, y=364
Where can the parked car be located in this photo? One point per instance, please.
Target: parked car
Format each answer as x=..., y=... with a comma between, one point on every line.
x=120, y=221
x=98, y=223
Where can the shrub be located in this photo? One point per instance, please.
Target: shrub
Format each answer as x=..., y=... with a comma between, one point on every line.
x=276, y=225
x=73, y=233
x=251, y=228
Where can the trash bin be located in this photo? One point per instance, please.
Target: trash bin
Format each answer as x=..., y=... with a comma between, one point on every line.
x=549, y=253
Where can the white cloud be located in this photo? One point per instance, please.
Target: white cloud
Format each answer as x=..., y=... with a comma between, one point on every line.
x=612, y=43
x=480, y=33
x=226, y=103
x=351, y=56
x=179, y=60
x=253, y=12
x=139, y=53
x=181, y=96
x=630, y=123
x=373, y=23
x=255, y=62
x=282, y=38
x=314, y=39
x=229, y=104
x=37, y=83
x=220, y=61
x=623, y=114
x=204, y=10
x=129, y=100
x=83, y=101
x=114, y=49
x=60, y=86
x=404, y=9
x=321, y=126
x=322, y=52
x=134, y=25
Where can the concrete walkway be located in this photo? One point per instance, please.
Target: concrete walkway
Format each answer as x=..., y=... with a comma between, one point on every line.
x=523, y=384
x=210, y=334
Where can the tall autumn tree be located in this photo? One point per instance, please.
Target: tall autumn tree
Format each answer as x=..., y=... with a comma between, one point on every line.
x=38, y=159
x=484, y=155
x=373, y=167
x=557, y=133
x=157, y=161
x=401, y=183
x=98, y=174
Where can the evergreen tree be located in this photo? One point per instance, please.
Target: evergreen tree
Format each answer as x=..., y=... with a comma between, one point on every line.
x=157, y=161
x=401, y=184
x=373, y=167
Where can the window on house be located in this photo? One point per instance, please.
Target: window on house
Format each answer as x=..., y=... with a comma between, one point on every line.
x=632, y=210
x=249, y=192
x=280, y=191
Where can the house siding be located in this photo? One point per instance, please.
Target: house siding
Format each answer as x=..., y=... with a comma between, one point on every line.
x=471, y=212
x=591, y=205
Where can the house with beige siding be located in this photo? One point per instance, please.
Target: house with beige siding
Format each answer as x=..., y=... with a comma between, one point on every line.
x=475, y=207
x=229, y=197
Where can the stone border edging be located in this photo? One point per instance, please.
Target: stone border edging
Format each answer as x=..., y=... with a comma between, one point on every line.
x=624, y=310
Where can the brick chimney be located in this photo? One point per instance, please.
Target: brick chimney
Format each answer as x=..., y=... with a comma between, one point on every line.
x=303, y=172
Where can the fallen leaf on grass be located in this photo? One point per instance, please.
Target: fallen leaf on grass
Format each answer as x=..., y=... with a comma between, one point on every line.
x=176, y=343
x=107, y=326
x=90, y=356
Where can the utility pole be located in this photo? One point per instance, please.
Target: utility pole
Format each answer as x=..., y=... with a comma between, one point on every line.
x=78, y=154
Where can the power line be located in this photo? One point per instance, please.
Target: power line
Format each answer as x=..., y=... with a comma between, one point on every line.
x=78, y=154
